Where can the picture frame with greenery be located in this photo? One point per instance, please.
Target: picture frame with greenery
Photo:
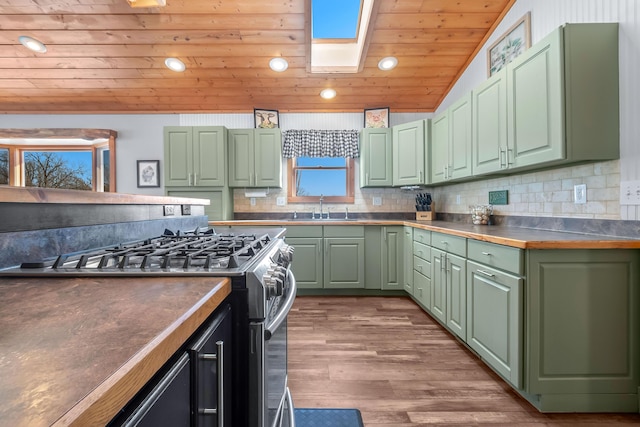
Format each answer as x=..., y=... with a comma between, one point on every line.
x=513, y=42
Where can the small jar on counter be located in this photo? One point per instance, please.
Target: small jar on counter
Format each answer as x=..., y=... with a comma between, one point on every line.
x=481, y=214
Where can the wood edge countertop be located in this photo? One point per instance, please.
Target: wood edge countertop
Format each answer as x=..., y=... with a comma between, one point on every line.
x=75, y=351
x=9, y=194
x=517, y=237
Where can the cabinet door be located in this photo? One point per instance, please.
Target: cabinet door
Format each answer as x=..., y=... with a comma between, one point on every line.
x=376, y=158
x=268, y=158
x=241, y=164
x=489, y=136
x=535, y=104
x=439, y=147
x=408, y=154
x=460, y=115
x=456, y=295
x=422, y=289
x=494, y=319
x=178, y=156
x=582, y=323
x=439, y=284
x=344, y=262
x=307, y=261
x=209, y=156
x=408, y=260
x=392, y=258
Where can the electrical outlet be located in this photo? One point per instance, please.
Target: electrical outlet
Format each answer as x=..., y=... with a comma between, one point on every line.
x=377, y=201
x=457, y=199
x=580, y=193
x=630, y=192
x=169, y=210
x=280, y=201
x=253, y=201
x=186, y=210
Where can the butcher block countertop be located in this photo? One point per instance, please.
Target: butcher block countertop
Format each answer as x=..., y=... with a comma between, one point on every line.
x=517, y=237
x=74, y=351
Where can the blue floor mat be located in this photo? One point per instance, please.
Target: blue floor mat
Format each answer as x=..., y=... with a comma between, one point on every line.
x=321, y=417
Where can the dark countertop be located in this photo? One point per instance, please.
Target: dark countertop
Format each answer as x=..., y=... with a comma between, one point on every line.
x=74, y=351
x=523, y=238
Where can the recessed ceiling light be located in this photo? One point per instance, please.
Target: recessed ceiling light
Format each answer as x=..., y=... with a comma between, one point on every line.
x=175, y=64
x=328, y=93
x=32, y=44
x=278, y=64
x=388, y=63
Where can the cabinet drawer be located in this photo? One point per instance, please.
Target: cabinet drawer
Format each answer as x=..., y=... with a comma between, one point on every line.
x=422, y=236
x=498, y=256
x=421, y=266
x=422, y=251
x=344, y=231
x=304, y=231
x=448, y=243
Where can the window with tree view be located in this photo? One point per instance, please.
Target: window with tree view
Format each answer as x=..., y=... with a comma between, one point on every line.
x=329, y=177
x=58, y=169
x=4, y=166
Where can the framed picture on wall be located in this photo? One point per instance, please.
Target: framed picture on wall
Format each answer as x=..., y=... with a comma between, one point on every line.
x=516, y=40
x=148, y=173
x=376, y=117
x=266, y=119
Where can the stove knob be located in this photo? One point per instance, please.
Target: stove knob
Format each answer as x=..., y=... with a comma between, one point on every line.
x=286, y=253
x=279, y=285
x=270, y=287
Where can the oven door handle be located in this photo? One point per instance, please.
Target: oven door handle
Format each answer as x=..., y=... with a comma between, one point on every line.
x=271, y=328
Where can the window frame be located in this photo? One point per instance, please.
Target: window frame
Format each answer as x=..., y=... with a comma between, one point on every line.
x=291, y=183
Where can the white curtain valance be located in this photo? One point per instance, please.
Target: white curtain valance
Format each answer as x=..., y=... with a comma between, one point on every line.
x=320, y=143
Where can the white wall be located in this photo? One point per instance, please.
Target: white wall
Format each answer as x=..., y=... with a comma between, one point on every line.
x=546, y=15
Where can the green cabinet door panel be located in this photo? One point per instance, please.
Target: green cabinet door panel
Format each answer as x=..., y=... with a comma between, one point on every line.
x=408, y=260
x=459, y=153
x=582, y=331
x=409, y=153
x=376, y=169
x=439, y=147
x=241, y=154
x=422, y=290
x=489, y=135
x=439, y=284
x=373, y=257
x=392, y=258
x=344, y=262
x=178, y=156
x=535, y=105
x=307, y=263
x=456, y=295
x=495, y=319
x=209, y=156
x=268, y=158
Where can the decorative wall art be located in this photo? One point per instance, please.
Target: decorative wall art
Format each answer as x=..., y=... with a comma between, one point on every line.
x=516, y=40
x=148, y=173
x=266, y=119
x=376, y=118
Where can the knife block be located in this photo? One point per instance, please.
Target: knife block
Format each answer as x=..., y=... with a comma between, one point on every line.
x=427, y=215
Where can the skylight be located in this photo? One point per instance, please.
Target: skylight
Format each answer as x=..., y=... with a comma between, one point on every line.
x=335, y=19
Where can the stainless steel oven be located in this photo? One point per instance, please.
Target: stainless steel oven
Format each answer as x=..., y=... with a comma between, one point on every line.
x=270, y=400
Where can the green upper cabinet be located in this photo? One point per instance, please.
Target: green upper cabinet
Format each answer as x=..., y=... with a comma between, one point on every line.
x=255, y=158
x=409, y=166
x=195, y=156
x=451, y=142
x=375, y=158
x=556, y=103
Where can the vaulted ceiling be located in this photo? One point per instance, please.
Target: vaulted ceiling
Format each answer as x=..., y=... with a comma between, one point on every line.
x=105, y=57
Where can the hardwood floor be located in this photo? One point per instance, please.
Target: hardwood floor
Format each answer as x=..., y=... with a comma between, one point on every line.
x=388, y=358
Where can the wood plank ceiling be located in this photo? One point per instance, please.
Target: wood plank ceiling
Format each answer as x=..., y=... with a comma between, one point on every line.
x=105, y=57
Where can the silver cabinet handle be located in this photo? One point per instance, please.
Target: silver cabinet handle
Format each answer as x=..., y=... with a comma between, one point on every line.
x=507, y=152
x=441, y=262
x=195, y=179
x=219, y=358
x=486, y=253
x=486, y=273
x=190, y=180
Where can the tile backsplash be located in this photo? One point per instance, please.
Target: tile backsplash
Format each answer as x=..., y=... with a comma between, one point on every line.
x=541, y=193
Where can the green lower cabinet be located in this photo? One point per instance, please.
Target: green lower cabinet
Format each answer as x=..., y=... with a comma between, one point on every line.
x=456, y=295
x=392, y=258
x=307, y=261
x=582, y=330
x=408, y=260
x=494, y=319
x=344, y=262
x=439, y=285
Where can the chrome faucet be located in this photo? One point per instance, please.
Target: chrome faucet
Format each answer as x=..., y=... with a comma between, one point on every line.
x=321, y=199
x=346, y=212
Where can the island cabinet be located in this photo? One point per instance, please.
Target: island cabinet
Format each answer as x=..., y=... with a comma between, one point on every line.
x=451, y=142
x=422, y=285
x=255, y=158
x=195, y=156
x=555, y=104
x=582, y=329
x=376, y=168
x=495, y=307
x=409, y=167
